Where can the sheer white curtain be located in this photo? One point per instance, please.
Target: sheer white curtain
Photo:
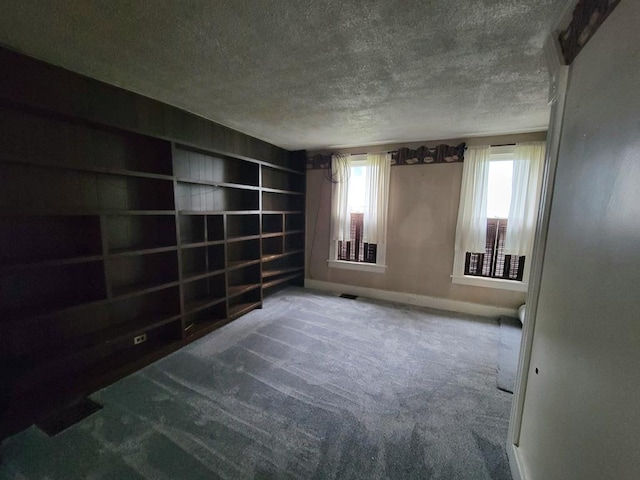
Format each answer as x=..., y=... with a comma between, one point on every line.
x=471, y=230
x=340, y=219
x=376, y=202
x=528, y=165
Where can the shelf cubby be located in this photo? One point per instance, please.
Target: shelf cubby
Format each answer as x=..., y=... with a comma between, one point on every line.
x=58, y=191
x=283, y=264
x=294, y=222
x=243, y=279
x=293, y=242
x=76, y=145
x=193, y=164
x=38, y=290
x=131, y=232
x=243, y=303
x=206, y=318
x=201, y=261
x=282, y=202
x=272, y=246
x=242, y=252
x=203, y=293
x=137, y=314
x=208, y=198
x=192, y=229
x=137, y=274
x=239, y=226
x=215, y=228
x=294, y=162
x=132, y=193
x=33, y=239
x=29, y=337
x=272, y=223
x=282, y=180
x=281, y=281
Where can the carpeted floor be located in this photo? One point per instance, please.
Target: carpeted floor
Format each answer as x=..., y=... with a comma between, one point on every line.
x=508, y=353
x=311, y=387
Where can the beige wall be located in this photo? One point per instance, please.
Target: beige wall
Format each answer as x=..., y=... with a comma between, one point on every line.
x=423, y=210
x=581, y=417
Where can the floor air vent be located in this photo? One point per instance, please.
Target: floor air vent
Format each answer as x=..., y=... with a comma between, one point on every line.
x=350, y=297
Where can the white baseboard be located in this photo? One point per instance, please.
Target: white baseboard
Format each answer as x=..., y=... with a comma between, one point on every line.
x=515, y=463
x=413, y=299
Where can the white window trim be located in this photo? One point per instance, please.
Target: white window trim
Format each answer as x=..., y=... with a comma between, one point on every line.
x=498, y=154
x=359, y=266
x=356, y=160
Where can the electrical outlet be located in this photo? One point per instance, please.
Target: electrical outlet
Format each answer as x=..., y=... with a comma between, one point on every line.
x=139, y=339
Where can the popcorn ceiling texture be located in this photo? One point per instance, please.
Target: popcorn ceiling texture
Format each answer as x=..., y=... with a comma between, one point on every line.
x=310, y=74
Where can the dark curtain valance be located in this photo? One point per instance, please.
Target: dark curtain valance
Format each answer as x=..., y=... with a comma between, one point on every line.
x=404, y=156
x=317, y=162
x=587, y=17
x=440, y=154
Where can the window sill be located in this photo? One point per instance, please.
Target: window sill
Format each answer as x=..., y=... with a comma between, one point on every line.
x=511, y=285
x=362, y=267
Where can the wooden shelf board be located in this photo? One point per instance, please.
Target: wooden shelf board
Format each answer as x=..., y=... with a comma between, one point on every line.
x=120, y=252
x=279, y=190
x=196, y=330
x=268, y=258
x=241, y=263
x=284, y=169
x=293, y=232
x=243, y=238
x=219, y=212
x=201, y=244
x=140, y=289
x=242, y=308
x=138, y=212
x=272, y=234
x=271, y=273
x=278, y=281
x=82, y=212
x=197, y=305
x=35, y=313
x=236, y=290
x=192, y=277
x=273, y=212
x=7, y=158
x=8, y=267
x=190, y=146
x=212, y=183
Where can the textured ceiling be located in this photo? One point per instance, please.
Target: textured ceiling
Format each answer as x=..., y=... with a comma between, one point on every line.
x=312, y=74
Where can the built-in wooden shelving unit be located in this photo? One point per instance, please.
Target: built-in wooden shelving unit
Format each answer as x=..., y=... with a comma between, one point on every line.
x=118, y=247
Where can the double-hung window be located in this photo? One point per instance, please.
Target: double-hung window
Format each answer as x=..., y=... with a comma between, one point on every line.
x=360, y=195
x=496, y=220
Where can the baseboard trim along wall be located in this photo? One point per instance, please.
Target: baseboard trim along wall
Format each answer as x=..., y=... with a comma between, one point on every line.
x=515, y=463
x=413, y=299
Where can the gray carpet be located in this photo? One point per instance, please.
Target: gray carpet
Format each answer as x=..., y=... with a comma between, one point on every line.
x=311, y=387
x=510, y=335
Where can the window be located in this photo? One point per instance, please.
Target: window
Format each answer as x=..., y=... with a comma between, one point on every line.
x=492, y=262
x=359, y=211
x=498, y=209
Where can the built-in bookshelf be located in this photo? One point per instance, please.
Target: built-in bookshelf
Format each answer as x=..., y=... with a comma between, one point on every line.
x=118, y=247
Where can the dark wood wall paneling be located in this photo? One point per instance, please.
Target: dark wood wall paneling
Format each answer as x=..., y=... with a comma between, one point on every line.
x=123, y=217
